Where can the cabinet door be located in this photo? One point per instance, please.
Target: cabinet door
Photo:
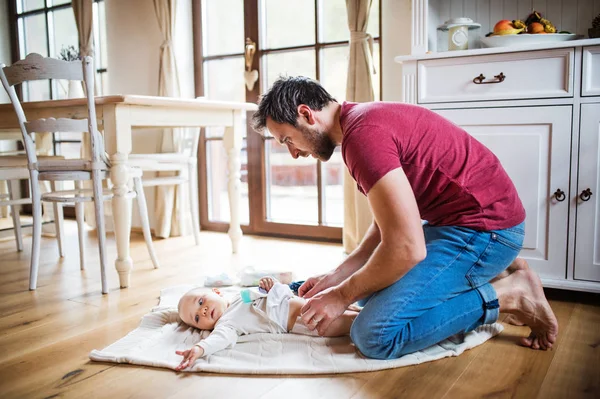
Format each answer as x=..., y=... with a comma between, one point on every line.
x=533, y=145
x=587, y=232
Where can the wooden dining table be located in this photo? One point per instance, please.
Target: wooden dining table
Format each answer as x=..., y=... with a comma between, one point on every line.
x=117, y=115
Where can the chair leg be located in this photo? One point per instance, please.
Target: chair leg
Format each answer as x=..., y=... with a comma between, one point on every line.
x=193, y=192
x=143, y=209
x=100, y=228
x=79, y=215
x=58, y=222
x=36, y=202
x=16, y=215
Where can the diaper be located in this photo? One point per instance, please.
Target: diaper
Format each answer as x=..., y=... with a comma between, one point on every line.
x=275, y=306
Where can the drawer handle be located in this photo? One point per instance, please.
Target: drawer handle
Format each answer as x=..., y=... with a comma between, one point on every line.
x=559, y=195
x=479, y=80
x=586, y=194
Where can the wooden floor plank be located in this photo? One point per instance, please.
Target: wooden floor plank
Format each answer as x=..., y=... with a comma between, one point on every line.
x=505, y=369
x=575, y=369
x=46, y=335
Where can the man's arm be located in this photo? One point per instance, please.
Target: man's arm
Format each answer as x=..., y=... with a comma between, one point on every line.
x=350, y=265
x=362, y=253
x=402, y=240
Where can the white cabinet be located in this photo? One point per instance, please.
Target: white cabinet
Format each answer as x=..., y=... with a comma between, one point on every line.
x=542, y=120
x=587, y=245
x=533, y=145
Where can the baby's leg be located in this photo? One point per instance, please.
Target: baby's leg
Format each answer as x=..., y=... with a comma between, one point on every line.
x=339, y=327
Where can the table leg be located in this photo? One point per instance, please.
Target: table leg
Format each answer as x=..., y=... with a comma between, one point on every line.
x=117, y=138
x=232, y=141
x=121, y=208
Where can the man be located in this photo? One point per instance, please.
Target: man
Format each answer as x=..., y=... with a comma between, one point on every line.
x=419, y=283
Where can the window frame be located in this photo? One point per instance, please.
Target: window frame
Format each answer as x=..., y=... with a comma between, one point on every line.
x=255, y=143
x=16, y=48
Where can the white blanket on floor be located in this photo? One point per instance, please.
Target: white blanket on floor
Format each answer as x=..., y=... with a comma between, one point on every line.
x=161, y=333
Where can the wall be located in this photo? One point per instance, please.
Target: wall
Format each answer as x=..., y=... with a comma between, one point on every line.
x=133, y=46
x=571, y=15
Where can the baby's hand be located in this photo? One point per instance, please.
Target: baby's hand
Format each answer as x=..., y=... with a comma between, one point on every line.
x=189, y=357
x=267, y=283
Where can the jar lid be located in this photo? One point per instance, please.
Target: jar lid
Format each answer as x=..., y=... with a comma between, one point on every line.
x=459, y=22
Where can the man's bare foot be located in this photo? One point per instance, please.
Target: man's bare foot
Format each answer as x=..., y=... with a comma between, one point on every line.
x=522, y=295
x=518, y=264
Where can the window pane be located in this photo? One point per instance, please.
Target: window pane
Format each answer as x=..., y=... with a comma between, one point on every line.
x=218, y=199
x=373, y=24
x=224, y=79
x=288, y=23
x=28, y=5
x=65, y=31
x=99, y=35
x=333, y=24
x=333, y=171
x=291, y=63
x=68, y=136
x=334, y=71
x=36, y=90
x=33, y=33
x=223, y=27
x=57, y=2
x=291, y=187
x=102, y=88
x=69, y=150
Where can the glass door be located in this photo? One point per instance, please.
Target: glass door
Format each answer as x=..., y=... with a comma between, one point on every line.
x=281, y=196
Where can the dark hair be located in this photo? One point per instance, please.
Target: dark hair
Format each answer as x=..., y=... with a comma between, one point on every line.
x=281, y=101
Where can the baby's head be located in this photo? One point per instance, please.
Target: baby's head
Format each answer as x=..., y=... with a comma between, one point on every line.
x=202, y=307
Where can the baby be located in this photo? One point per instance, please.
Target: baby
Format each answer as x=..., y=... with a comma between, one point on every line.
x=275, y=312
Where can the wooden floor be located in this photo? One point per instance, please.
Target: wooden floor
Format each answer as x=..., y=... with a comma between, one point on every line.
x=46, y=335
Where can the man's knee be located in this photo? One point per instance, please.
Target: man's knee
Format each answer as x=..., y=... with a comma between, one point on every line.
x=373, y=343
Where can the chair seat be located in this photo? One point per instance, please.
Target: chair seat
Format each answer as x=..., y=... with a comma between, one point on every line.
x=78, y=195
x=18, y=161
x=153, y=166
x=165, y=157
x=63, y=165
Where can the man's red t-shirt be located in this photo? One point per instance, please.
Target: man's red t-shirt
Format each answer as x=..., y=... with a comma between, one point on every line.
x=456, y=180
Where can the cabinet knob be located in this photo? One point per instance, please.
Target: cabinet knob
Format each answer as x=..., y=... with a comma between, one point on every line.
x=559, y=195
x=586, y=194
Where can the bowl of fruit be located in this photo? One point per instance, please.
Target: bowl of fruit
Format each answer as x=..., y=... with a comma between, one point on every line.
x=535, y=29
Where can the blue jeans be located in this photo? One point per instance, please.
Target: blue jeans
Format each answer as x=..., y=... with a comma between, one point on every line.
x=445, y=294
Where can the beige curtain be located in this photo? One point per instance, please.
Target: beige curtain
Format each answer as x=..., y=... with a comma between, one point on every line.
x=359, y=88
x=84, y=19
x=169, y=199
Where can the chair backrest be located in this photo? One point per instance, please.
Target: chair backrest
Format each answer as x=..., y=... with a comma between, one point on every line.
x=37, y=67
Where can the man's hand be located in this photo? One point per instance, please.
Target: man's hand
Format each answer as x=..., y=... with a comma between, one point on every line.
x=322, y=309
x=266, y=283
x=317, y=284
x=189, y=357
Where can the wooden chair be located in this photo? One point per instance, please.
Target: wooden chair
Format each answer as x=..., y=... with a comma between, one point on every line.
x=13, y=168
x=36, y=67
x=178, y=162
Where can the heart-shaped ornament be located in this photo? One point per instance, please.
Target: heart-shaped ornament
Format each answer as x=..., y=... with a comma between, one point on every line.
x=250, y=77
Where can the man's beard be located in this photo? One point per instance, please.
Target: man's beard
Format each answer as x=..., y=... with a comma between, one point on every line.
x=321, y=146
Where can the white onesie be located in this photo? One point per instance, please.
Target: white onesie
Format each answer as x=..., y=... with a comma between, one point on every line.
x=268, y=314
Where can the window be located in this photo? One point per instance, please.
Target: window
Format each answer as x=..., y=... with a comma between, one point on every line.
x=46, y=27
x=281, y=196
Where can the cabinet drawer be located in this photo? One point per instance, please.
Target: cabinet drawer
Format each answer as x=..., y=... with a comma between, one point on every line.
x=591, y=71
x=533, y=74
